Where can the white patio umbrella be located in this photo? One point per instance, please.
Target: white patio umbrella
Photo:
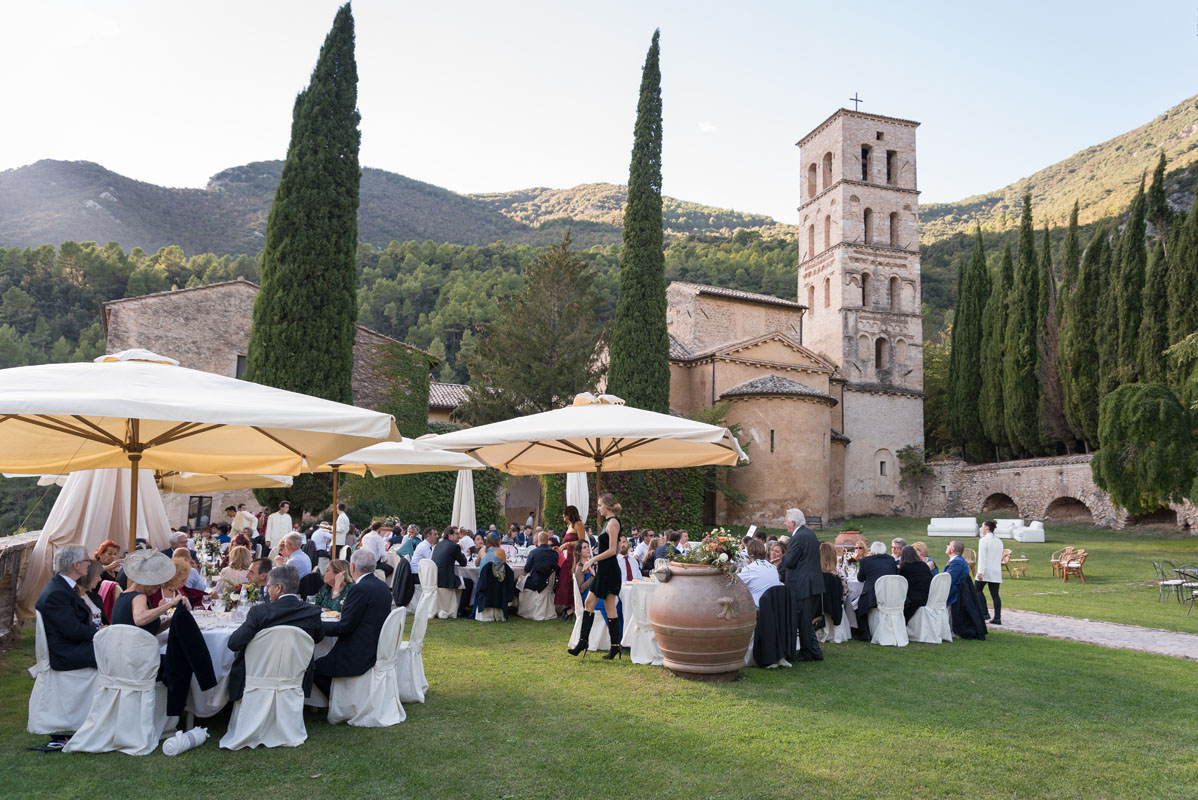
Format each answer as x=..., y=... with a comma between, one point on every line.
x=578, y=494
x=596, y=434
x=138, y=409
x=187, y=482
x=463, y=502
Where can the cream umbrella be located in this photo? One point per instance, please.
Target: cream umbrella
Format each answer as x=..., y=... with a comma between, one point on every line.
x=138, y=409
x=187, y=482
x=595, y=434
x=463, y=502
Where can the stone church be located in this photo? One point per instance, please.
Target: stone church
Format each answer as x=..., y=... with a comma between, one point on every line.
x=829, y=387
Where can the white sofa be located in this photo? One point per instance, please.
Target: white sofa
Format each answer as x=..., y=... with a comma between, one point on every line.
x=952, y=527
x=1006, y=528
x=1033, y=532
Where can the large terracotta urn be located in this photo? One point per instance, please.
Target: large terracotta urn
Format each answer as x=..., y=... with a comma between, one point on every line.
x=703, y=622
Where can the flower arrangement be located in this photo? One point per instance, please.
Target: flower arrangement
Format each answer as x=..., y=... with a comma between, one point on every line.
x=232, y=595
x=718, y=549
x=208, y=552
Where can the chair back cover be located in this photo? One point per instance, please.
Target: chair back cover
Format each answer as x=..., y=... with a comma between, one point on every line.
x=538, y=606
x=371, y=700
x=886, y=623
x=128, y=710
x=600, y=639
x=428, y=583
x=638, y=634
x=931, y=623
x=409, y=666
x=59, y=701
x=271, y=711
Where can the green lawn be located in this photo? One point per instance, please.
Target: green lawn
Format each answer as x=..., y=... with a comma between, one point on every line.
x=509, y=714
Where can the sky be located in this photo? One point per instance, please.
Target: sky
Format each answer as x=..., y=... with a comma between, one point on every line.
x=498, y=96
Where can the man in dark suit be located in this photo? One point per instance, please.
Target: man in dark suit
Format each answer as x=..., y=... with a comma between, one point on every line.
x=285, y=608
x=446, y=555
x=804, y=579
x=66, y=619
x=364, y=609
x=541, y=563
x=878, y=563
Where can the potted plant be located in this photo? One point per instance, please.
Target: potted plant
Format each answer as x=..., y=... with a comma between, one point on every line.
x=702, y=614
x=851, y=533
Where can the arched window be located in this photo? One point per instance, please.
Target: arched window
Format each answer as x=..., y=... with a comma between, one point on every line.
x=812, y=188
x=827, y=169
x=884, y=469
x=868, y=219
x=895, y=294
x=880, y=353
x=894, y=229
x=811, y=299
x=900, y=351
x=865, y=287
x=865, y=167
x=827, y=292
x=863, y=348
x=810, y=241
x=827, y=231
x=891, y=167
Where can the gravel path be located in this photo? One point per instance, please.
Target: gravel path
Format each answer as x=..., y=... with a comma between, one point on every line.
x=1107, y=634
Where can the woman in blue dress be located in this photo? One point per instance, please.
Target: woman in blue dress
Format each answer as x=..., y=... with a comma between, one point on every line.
x=607, y=583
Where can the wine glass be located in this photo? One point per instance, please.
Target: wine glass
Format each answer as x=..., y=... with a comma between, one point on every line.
x=218, y=605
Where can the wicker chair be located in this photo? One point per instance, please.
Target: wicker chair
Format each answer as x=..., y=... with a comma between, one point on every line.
x=1059, y=557
x=1073, y=566
x=971, y=558
x=1006, y=561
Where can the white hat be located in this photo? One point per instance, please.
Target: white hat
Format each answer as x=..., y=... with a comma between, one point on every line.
x=149, y=567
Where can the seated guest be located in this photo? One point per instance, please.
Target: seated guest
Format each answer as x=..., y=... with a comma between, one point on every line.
x=363, y=612
x=178, y=586
x=177, y=540
x=193, y=580
x=89, y=589
x=489, y=551
x=777, y=552
x=235, y=573
x=147, y=572
x=223, y=532
x=447, y=555
x=423, y=550
x=285, y=608
x=322, y=537
x=684, y=542
x=411, y=539
x=670, y=547
x=642, y=546
x=257, y=575
x=896, y=548
x=106, y=556
x=919, y=580
x=758, y=574
x=648, y=548
x=66, y=619
x=336, y=578
x=541, y=565
x=290, y=553
x=373, y=540
x=396, y=537
x=630, y=569
x=872, y=567
x=964, y=608
x=834, y=587
x=519, y=537
x=922, y=549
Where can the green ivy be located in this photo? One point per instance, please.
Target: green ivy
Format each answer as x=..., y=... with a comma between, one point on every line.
x=654, y=498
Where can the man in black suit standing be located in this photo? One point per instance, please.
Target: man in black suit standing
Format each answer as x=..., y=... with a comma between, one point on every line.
x=66, y=619
x=873, y=566
x=446, y=555
x=541, y=563
x=364, y=608
x=285, y=608
x=804, y=579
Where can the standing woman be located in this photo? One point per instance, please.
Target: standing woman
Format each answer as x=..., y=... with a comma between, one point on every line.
x=563, y=595
x=606, y=586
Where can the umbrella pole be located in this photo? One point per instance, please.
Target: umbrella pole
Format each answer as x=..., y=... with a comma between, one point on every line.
x=333, y=552
x=134, y=471
x=598, y=490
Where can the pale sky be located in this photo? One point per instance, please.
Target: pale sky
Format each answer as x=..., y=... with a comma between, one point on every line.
x=503, y=95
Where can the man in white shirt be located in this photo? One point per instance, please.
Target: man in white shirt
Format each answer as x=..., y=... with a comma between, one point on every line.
x=990, y=569
x=243, y=520
x=278, y=524
x=423, y=550
x=642, y=546
x=759, y=574
x=630, y=570
x=342, y=524
x=322, y=539
x=290, y=553
x=374, y=541
x=684, y=542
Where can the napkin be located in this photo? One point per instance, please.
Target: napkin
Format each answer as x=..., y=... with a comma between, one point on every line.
x=183, y=741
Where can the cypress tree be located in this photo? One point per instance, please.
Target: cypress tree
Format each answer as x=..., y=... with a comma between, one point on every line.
x=1053, y=427
x=1154, y=329
x=993, y=324
x=1106, y=327
x=1183, y=284
x=965, y=361
x=303, y=333
x=1081, y=340
x=1070, y=263
x=1021, y=386
x=639, y=369
x=1129, y=290
x=1157, y=210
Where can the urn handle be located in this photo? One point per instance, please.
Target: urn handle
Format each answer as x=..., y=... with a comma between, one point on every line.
x=727, y=608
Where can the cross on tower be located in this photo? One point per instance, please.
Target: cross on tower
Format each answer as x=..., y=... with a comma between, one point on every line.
x=856, y=101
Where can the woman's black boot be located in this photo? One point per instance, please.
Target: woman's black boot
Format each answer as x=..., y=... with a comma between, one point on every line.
x=584, y=633
x=613, y=630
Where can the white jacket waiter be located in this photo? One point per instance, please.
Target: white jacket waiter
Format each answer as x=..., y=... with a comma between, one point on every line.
x=990, y=568
x=279, y=524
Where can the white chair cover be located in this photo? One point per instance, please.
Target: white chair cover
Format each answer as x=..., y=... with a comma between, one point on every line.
x=538, y=606
x=409, y=667
x=371, y=700
x=60, y=700
x=638, y=635
x=886, y=623
x=600, y=639
x=931, y=623
x=835, y=634
x=490, y=615
x=427, y=571
x=128, y=712
x=447, y=603
x=271, y=711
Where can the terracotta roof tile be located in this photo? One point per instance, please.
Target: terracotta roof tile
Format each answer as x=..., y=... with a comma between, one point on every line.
x=776, y=385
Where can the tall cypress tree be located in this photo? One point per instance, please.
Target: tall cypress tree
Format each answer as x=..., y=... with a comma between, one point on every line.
x=1157, y=210
x=302, y=338
x=1079, y=345
x=1154, y=328
x=1183, y=285
x=1129, y=290
x=1053, y=427
x=1070, y=264
x=1106, y=329
x=993, y=324
x=639, y=369
x=965, y=364
x=1021, y=386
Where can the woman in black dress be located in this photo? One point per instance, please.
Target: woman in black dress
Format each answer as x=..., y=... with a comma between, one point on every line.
x=147, y=573
x=607, y=583
x=919, y=580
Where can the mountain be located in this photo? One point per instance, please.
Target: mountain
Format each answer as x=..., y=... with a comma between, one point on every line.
x=1102, y=179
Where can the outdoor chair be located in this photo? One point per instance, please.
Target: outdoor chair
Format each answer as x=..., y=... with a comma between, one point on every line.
x=1073, y=566
x=971, y=558
x=427, y=570
x=1167, y=580
x=1006, y=561
x=886, y=623
x=61, y=698
x=371, y=700
x=409, y=666
x=271, y=711
x=1058, y=557
x=538, y=606
x=931, y=622
x=599, y=639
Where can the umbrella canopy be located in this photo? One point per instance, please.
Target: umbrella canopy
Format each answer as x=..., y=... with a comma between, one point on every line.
x=463, y=502
x=595, y=434
x=187, y=482
x=401, y=458
x=578, y=494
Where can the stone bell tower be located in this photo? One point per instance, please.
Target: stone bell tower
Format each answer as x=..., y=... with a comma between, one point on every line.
x=858, y=274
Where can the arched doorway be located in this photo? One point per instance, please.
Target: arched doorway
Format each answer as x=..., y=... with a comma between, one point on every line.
x=1068, y=509
x=1162, y=517
x=1000, y=505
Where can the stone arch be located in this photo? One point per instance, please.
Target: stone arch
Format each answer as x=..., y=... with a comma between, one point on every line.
x=811, y=299
x=865, y=166
x=812, y=183
x=827, y=169
x=828, y=292
x=881, y=353
x=854, y=206
x=999, y=503
x=900, y=351
x=827, y=231
x=863, y=347
x=884, y=469
x=894, y=229
x=896, y=290
x=867, y=223
x=1164, y=516
x=866, y=287
x=810, y=241
x=1068, y=509
x=909, y=296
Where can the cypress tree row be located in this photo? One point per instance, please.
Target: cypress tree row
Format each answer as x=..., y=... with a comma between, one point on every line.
x=993, y=324
x=1129, y=290
x=304, y=316
x=1080, y=345
x=1157, y=210
x=965, y=365
x=1183, y=285
x=1105, y=323
x=1154, y=328
x=639, y=369
x=1070, y=264
x=1020, y=382
x=1053, y=427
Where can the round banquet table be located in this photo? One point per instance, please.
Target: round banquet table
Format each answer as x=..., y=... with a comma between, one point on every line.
x=471, y=573
x=638, y=637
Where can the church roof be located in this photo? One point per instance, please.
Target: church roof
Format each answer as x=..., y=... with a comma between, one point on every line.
x=678, y=351
x=837, y=436
x=446, y=395
x=776, y=385
x=737, y=294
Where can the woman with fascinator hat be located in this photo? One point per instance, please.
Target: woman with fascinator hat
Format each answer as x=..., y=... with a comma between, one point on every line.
x=147, y=571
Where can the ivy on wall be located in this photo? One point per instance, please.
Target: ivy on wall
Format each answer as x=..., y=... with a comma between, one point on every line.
x=656, y=498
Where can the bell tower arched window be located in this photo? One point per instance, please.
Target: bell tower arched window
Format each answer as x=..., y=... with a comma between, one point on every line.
x=827, y=169
x=868, y=220
x=812, y=186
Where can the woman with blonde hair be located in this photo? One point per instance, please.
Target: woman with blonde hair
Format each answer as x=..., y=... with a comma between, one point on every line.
x=336, y=576
x=922, y=550
x=607, y=583
x=234, y=574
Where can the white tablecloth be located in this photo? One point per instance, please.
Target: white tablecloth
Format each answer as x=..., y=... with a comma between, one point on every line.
x=638, y=636
x=472, y=574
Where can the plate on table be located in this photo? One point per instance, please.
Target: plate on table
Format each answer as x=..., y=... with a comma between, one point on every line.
x=330, y=615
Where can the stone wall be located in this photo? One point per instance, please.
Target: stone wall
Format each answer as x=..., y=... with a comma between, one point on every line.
x=1039, y=488
x=14, y=553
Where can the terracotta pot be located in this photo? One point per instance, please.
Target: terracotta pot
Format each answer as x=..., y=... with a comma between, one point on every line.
x=850, y=538
x=703, y=622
